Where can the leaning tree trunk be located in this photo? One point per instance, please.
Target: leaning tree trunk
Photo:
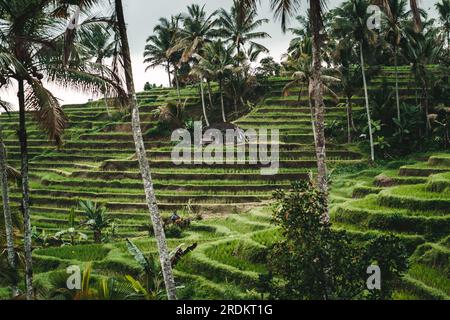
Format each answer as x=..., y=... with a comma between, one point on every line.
x=9, y=228
x=366, y=94
x=144, y=166
x=25, y=193
x=222, y=104
x=316, y=93
x=397, y=96
x=202, y=92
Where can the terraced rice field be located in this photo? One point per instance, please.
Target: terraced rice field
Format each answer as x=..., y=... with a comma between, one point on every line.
x=97, y=162
x=413, y=202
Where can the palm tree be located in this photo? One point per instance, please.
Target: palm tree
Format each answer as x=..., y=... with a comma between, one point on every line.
x=394, y=32
x=350, y=22
x=217, y=63
x=144, y=166
x=158, y=49
x=350, y=75
x=24, y=39
x=443, y=9
x=198, y=29
x=302, y=72
x=97, y=219
x=421, y=50
x=283, y=10
x=238, y=29
x=415, y=11
x=97, y=44
x=300, y=33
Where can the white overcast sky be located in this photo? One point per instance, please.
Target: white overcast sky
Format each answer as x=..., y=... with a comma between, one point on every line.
x=143, y=15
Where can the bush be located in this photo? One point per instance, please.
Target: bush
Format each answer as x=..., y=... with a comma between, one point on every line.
x=315, y=262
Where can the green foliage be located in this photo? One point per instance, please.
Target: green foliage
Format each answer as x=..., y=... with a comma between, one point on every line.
x=315, y=262
x=97, y=218
x=149, y=285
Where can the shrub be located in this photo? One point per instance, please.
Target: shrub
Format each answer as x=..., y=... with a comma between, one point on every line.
x=315, y=262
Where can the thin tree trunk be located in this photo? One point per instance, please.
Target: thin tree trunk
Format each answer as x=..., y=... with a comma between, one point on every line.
x=144, y=166
x=168, y=73
x=104, y=88
x=300, y=97
x=9, y=228
x=98, y=236
x=177, y=83
x=366, y=94
x=316, y=92
x=235, y=100
x=397, y=96
x=426, y=107
x=313, y=121
x=25, y=193
x=224, y=118
x=202, y=92
x=349, y=120
x=210, y=94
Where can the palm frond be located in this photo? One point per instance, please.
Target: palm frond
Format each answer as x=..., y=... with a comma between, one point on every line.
x=48, y=112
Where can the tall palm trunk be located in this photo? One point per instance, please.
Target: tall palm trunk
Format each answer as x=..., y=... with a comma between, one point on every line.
x=313, y=116
x=105, y=99
x=299, y=98
x=316, y=93
x=349, y=120
x=144, y=166
x=9, y=228
x=366, y=94
x=397, y=96
x=222, y=104
x=202, y=92
x=177, y=83
x=25, y=193
x=210, y=94
x=168, y=73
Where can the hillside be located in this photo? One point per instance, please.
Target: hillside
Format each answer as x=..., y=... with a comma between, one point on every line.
x=97, y=163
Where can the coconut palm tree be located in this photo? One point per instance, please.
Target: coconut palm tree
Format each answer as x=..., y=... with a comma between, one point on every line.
x=283, y=10
x=217, y=63
x=198, y=29
x=24, y=37
x=350, y=23
x=421, y=50
x=394, y=32
x=415, y=11
x=302, y=31
x=443, y=9
x=173, y=30
x=97, y=44
x=238, y=29
x=344, y=55
x=301, y=70
x=144, y=166
x=158, y=49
